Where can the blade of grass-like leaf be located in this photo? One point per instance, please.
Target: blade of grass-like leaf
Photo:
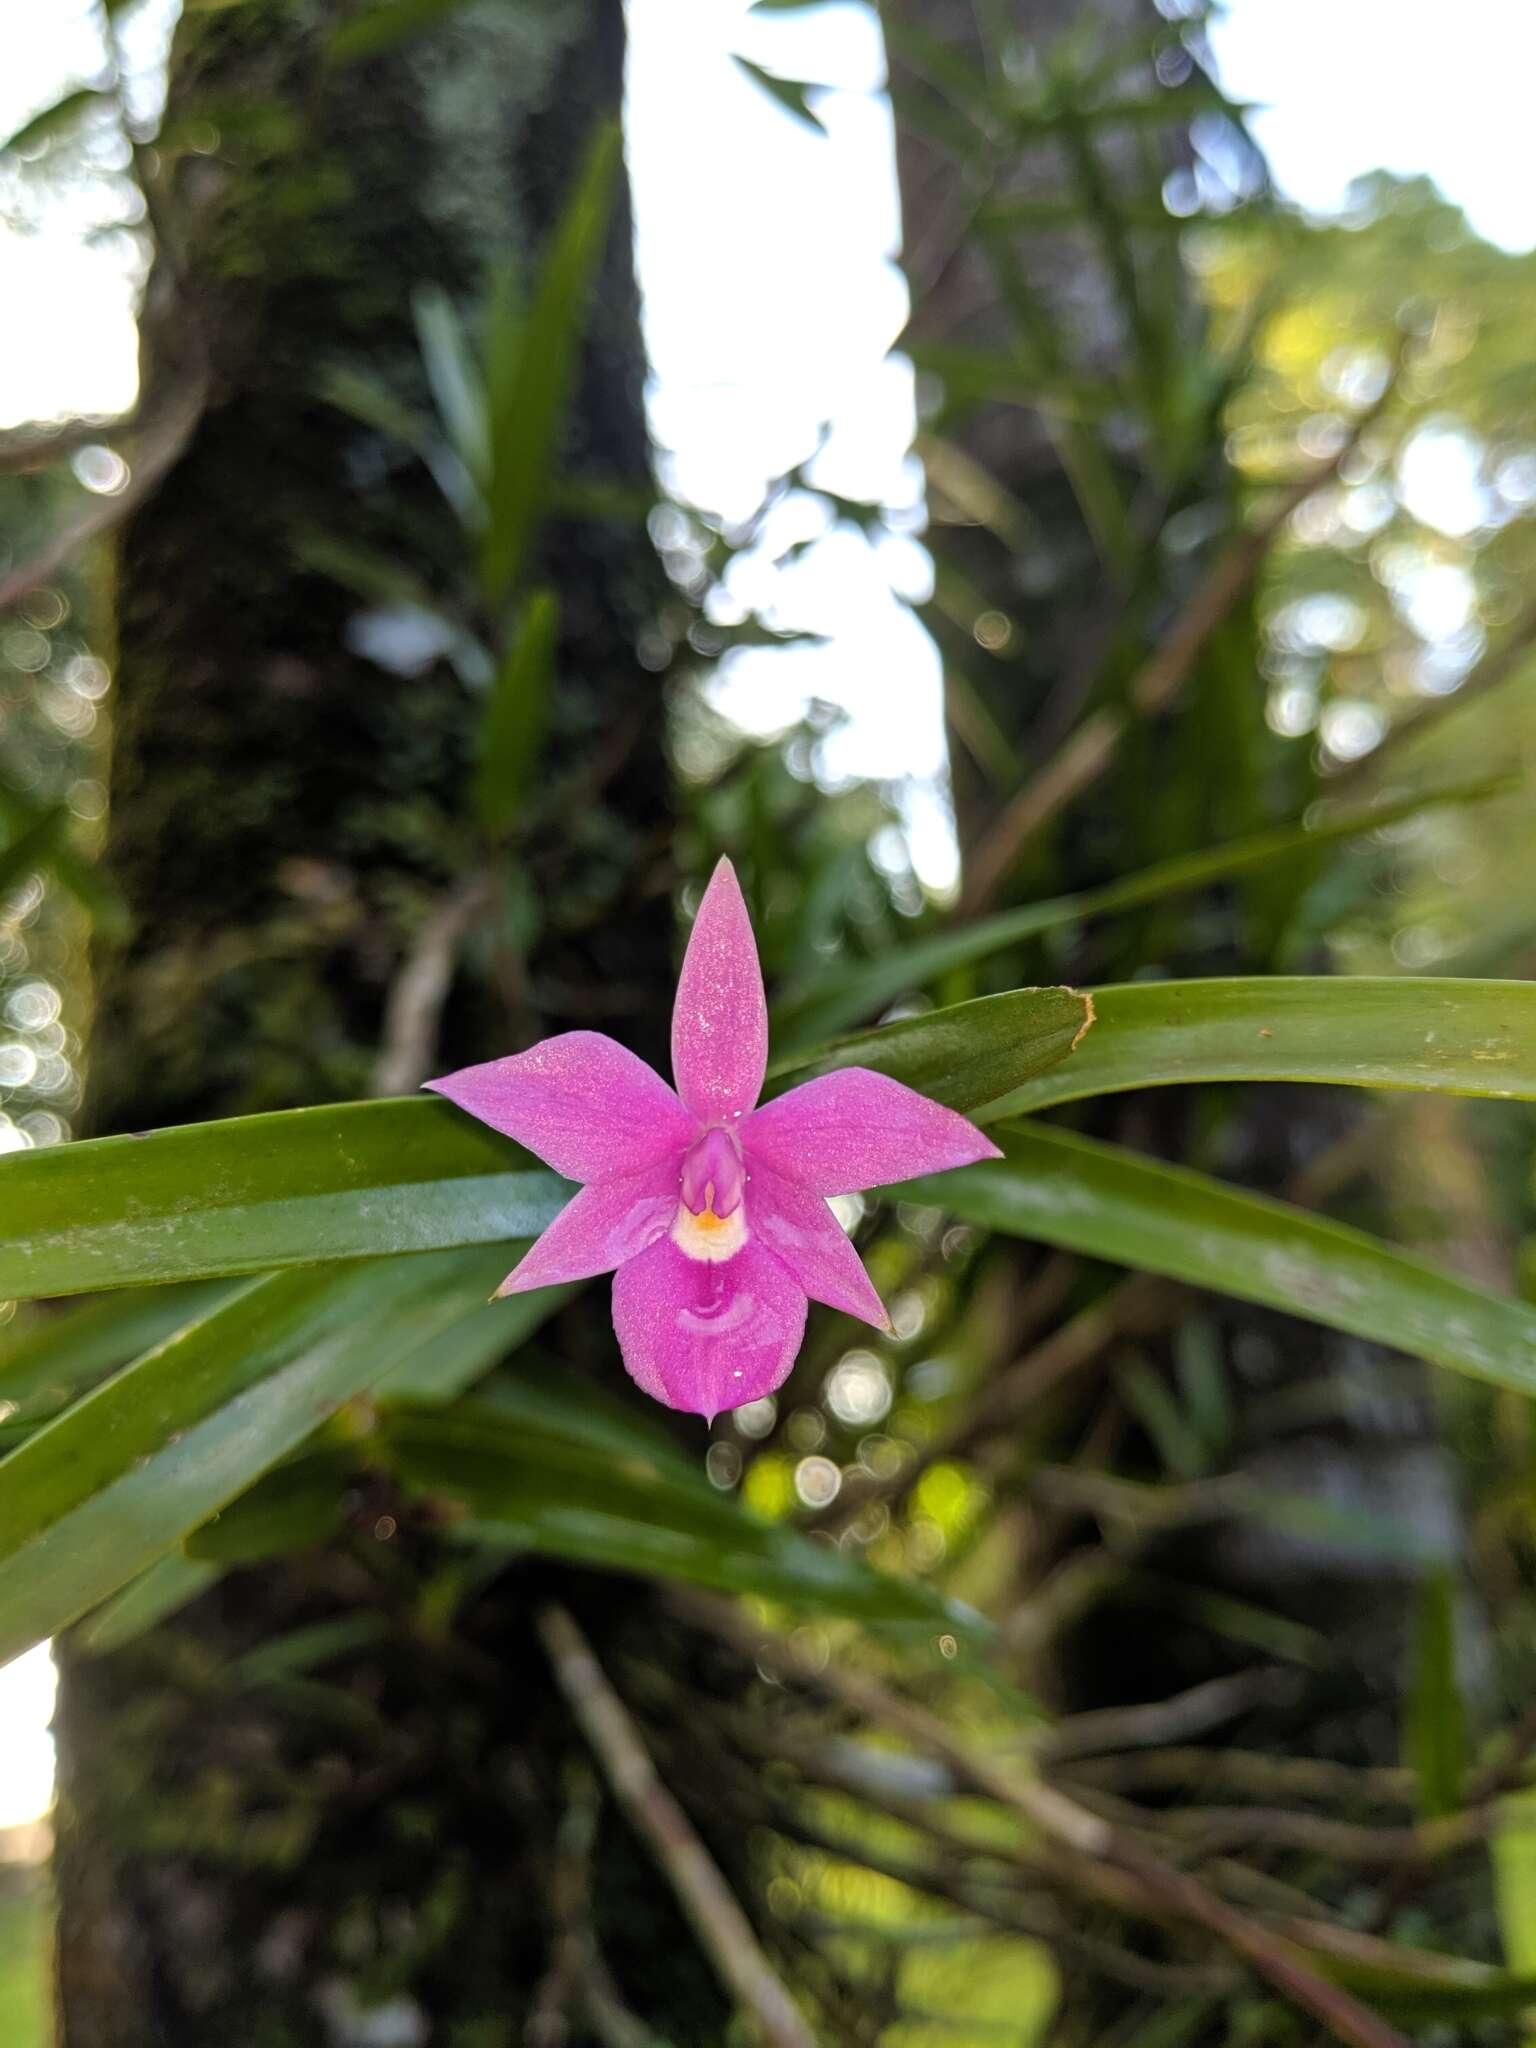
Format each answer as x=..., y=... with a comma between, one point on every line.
x=790, y=93
x=1448, y=1037
x=1413, y=1984
x=1434, y=1723
x=513, y=722
x=1514, y=1875
x=458, y=390
x=156, y=1594
x=455, y=1359
x=116, y=1481
x=46, y=1363
x=33, y=848
x=530, y=361
x=385, y=23
x=545, y=1490
x=838, y=999
x=961, y=1056
x=1098, y=1199
x=359, y=1180
x=82, y=878
x=55, y=120
x=376, y=406
x=292, y=1189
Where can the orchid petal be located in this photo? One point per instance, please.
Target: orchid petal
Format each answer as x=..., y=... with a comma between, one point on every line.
x=720, y=1017
x=801, y=1231
x=857, y=1129
x=706, y=1337
x=581, y=1102
x=599, y=1228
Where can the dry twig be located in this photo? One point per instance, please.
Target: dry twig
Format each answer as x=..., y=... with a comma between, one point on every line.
x=1095, y=1856
x=723, y=1929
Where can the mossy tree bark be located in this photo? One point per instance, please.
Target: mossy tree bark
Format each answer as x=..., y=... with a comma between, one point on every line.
x=364, y=1854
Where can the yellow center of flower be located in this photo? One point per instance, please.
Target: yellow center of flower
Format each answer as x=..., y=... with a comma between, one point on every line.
x=707, y=1236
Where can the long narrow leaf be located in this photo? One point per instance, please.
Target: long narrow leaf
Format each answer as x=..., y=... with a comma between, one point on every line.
x=1084, y=1196
x=46, y=1363
x=522, y=1480
x=1448, y=1037
x=116, y=1481
x=290, y=1189
x=840, y=997
x=32, y=850
x=529, y=372
x=515, y=712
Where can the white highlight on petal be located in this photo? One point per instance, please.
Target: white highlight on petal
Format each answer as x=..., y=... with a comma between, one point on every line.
x=708, y=1237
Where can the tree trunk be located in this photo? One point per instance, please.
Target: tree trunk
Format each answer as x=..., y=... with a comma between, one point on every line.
x=366, y=1856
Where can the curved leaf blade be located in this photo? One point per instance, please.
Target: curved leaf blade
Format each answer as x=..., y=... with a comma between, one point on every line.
x=836, y=999
x=117, y=1481
x=511, y=1474
x=1086, y=1196
x=295, y=1188
x=973, y=1057
x=1451, y=1037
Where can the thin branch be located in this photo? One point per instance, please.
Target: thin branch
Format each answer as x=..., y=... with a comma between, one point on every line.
x=1156, y=1722
x=152, y=456
x=723, y=1929
x=1085, y=756
x=1240, y=1772
x=1093, y=1851
x=414, y=1007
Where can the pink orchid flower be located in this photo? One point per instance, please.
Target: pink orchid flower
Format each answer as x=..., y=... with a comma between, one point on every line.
x=710, y=1212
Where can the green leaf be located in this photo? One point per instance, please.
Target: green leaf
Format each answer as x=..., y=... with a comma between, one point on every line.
x=298, y=1506
x=790, y=93
x=32, y=851
x=1435, y=1726
x=156, y=1594
x=387, y=22
x=457, y=1358
x=373, y=403
x=292, y=1189
x=46, y=1362
x=301, y=1650
x=1448, y=1037
x=513, y=724
x=961, y=1056
x=1411, y=1984
x=1514, y=1878
x=529, y=365
x=53, y=120
x=1151, y=1401
x=840, y=996
x=1016, y=376
x=458, y=390
x=518, y=1475
x=1066, y=1190
x=120, y=1478
x=84, y=881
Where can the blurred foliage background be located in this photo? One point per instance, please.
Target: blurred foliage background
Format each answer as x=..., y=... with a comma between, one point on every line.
x=356, y=719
